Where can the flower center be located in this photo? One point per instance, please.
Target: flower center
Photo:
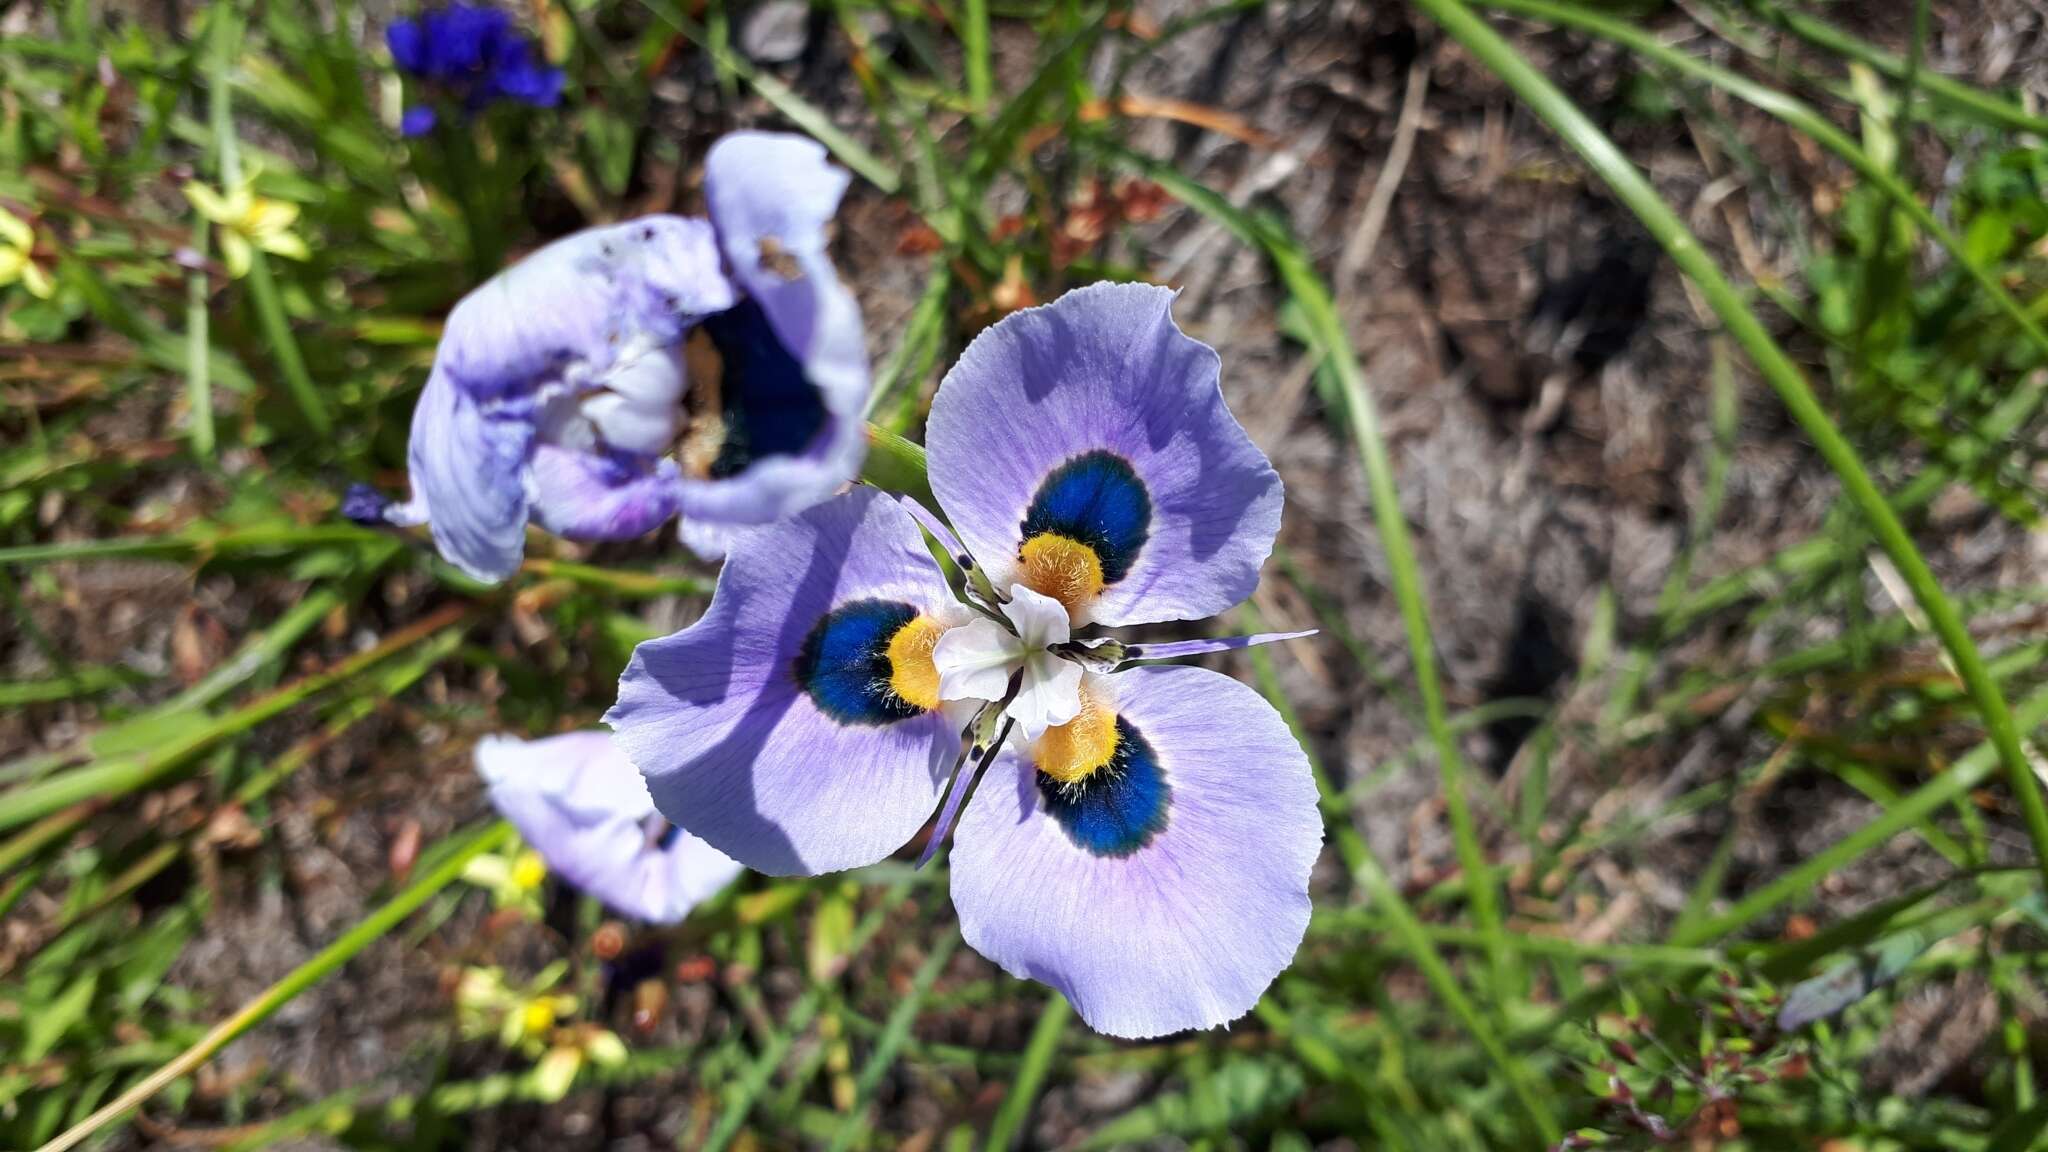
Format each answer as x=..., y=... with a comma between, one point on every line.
x=859, y=666
x=1101, y=781
x=1065, y=569
x=912, y=674
x=1084, y=529
x=1076, y=750
x=528, y=870
x=749, y=398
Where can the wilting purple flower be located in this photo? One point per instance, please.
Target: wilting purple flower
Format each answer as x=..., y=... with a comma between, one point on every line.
x=1142, y=840
x=620, y=376
x=474, y=57
x=579, y=803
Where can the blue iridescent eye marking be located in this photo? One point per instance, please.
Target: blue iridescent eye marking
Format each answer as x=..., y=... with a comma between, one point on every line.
x=868, y=662
x=1115, y=809
x=1094, y=499
x=768, y=406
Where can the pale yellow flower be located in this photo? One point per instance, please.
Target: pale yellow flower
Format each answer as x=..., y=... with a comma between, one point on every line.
x=513, y=880
x=557, y=1068
x=17, y=257
x=246, y=222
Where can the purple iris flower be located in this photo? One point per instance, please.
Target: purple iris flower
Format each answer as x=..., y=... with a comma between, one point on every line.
x=579, y=803
x=667, y=365
x=475, y=56
x=1142, y=836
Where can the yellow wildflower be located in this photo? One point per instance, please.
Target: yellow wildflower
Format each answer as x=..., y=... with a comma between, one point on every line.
x=17, y=257
x=246, y=222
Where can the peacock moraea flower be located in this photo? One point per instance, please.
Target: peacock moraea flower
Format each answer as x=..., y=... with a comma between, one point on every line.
x=712, y=368
x=1141, y=836
x=585, y=812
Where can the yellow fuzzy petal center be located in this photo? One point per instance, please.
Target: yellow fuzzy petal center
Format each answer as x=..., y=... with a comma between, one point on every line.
x=912, y=675
x=1062, y=568
x=1076, y=750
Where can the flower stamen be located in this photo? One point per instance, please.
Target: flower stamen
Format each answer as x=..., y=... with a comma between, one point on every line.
x=1076, y=750
x=912, y=674
x=1063, y=568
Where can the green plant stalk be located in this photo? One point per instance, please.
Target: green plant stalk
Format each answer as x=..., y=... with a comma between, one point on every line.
x=262, y=288
x=277, y=330
x=1339, y=921
x=198, y=364
x=1365, y=869
x=1392, y=525
x=1629, y=185
x=1038, y=1055
x=1800, y=117
x=323, y=964
x=203, y=542
x=198, y=375
x=1955, y=93
x=1327, y=332
x=914, y=354
x=974, y=47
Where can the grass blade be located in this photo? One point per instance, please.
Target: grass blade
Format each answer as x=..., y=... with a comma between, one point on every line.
x=1038, y=1054
x=1327, y=331
x=1954, y=93
x=805, y=115
x=323, y=964
x=895, y=1032
x=1630, y=186
x=1414, y=939
x=1799, y=116
x=1918, y=805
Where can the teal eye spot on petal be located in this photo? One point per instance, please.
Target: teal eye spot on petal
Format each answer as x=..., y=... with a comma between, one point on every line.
x=1115, y=809
x=1094, y=499
x=846, y=664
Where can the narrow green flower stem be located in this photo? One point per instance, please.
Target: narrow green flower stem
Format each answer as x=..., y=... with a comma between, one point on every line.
x=805, y=115
x=198, y=374
x=198, y=362
x=322, y=965
x=1038, y=1054
x=1321, y=314
x=481, y=227
x=263, y=292
x=277, y=330
x=1629, y=185
x=1955, y=93
x=204, y=540
x=1797, y=115
x=1342, y=923
x=974, y=46
x=1364, y=869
